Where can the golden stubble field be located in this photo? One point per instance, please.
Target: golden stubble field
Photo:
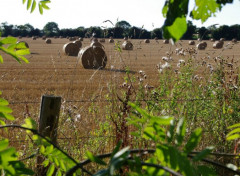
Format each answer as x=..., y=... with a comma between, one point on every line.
x=53, y=73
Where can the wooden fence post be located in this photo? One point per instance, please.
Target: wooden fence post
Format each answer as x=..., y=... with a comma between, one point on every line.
x=49, y=116
x=48, y=123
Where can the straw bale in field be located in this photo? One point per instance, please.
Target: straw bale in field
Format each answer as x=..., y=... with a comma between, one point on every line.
x=218, y=45
x=44, y=37
x=92, y=57
x=127, y=45
x=191, y=42
x=78, y=43
x=155, y=38
x=212, y=40
x=111, y=41
x=96, y=44
x=34, y=38
x=147, y=41
x=110, y=37
x=60, y=37
x=234, y=40
x=94, y=40
x=199, y=39
x=125, y=38
x=26, y=44
x=48, y=41
x=166, y=41
x=71, y=38
x=81, y=39
x=71, y=49
x=102, y=40
x=201, y=45
x=222, y=39
x=19, y=37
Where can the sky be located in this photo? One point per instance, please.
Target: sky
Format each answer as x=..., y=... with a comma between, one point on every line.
x=86, y=13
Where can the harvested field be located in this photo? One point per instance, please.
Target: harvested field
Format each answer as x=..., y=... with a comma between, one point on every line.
x=50, y=71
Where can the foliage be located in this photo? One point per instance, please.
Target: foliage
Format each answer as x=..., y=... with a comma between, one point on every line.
x=167, y=155
x=51, y=29
x=175, y=11
x=41, y=5
x=10, y=46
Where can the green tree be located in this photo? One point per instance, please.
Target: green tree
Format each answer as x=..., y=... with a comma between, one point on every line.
x=123, y=24
x=157, y=33
x=51, y=29
x=191, y=29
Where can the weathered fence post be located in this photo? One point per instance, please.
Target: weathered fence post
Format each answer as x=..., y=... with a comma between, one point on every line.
x=48, y=123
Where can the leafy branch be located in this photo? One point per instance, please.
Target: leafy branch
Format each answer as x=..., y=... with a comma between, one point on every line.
x=41, y=5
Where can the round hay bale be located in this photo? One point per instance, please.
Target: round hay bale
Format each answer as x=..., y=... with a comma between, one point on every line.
x=191, y=42
x=127, y=45
x=48, y=41
x=218, y=45
x=166, y=41
x=78, y=43
x=71, y=38
x=96, y=44
x=71, y=49
x=34, y=38
x=92, y=57
x=26, y=44
x=111, y=41
x=199, y=39
x=212, y=40
x=81, y=39
x=222, y=39
x=111, y=37
x=201, y=45
x=60, y=37
x=94, y=40
x=146, y=41
x=125, y=38
x=155, y=38
x=44, y=37
x=102, y=40
x=234, y=40
x=19, y=37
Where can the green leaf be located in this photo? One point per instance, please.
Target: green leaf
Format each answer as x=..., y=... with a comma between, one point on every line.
x=62, y=165
x=40, y=8
x=30, y=123
x=1, y=59
x=45, y=6
x=21, y=45
x=177, y=29
x=24, y=59
x=233, y=137
x=9, y=40
x=29, y=4
x=3, y=102
x=23, y=52
x=204, y=9
x=116, y=149
x=6, y=116
x=51, y=170
x=5, y=109
x=59, y=173
x=95, y=159
x=194, y=140
x=234, y=126
x=181, y=130
x=203, y=153
x=33, y=6
x=237, y=130
x=24, y=1
x=45, y=163
x=3, y=144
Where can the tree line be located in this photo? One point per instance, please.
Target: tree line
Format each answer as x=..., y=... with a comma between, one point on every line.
x=119, y=30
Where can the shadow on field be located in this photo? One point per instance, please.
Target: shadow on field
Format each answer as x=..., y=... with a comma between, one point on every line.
x=117, y=70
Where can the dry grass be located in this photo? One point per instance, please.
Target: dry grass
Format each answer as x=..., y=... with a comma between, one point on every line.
x=52, y=72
